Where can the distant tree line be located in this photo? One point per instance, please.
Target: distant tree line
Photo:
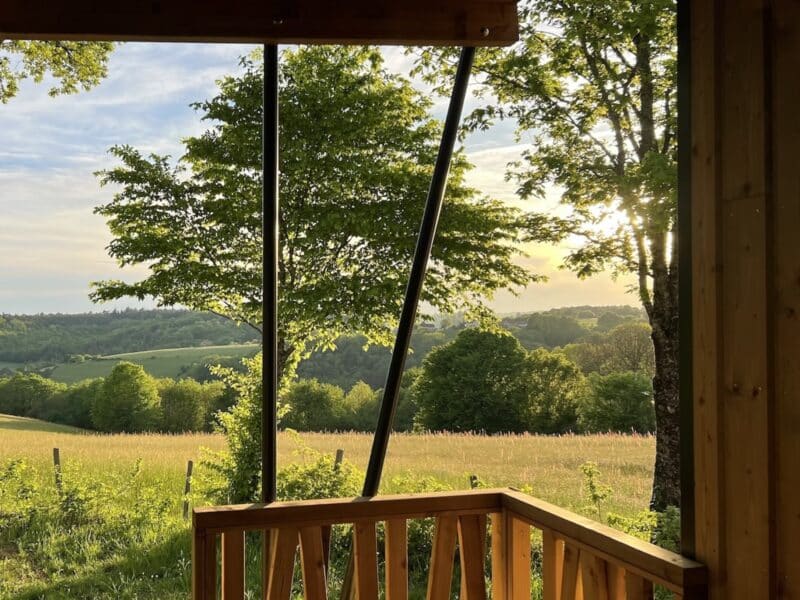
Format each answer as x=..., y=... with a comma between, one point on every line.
x=127, y=401
x=56, y=338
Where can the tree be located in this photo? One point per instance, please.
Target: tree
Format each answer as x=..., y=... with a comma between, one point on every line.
x=29, y=395
x=555, y=388
x=620, y=402
x=631, y=347
x=73, y=65
x=362, y=404
x=183, y=406
x=550, y=331
x=593, y=84
x=73, y=406
x=357, y=151
x=129, y=401
x=313, y=406
x=477, y=382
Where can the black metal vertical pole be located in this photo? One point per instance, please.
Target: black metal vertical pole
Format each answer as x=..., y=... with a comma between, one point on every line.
x=430, y=220
x=270, y=270
x=685, y=359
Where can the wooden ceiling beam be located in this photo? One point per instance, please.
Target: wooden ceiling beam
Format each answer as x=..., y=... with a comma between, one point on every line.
x=402, y=22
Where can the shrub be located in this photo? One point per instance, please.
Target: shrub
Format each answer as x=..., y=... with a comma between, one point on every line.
x=29, y=395
x=477, y=382
x=621, y=402
x=73, y=406
x=183, y=406
x=555, y=388
x=314, y=406
x=129, y=401
x=361, y=408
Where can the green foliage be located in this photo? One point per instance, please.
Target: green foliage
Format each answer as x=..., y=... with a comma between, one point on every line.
x=313, y=406
x=129, y=401
x=72, y=65
x=631, y=347
x=619, y=402
x=73, y=406
x=238, y=468
x=358, y=146
x=185, y=404
x=555, y=388
x=28, y=395
x=477, y=382
x=55, y=338
x=550, y=331
x=362, y=402
x=316, y=475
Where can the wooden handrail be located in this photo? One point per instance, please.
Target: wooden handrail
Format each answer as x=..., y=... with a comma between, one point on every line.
x=347, y=510
x=581, y=559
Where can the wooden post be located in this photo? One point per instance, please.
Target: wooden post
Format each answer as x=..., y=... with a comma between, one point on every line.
x=746, y=294
x=339, y=457
x=187, y=488
x=57, y=470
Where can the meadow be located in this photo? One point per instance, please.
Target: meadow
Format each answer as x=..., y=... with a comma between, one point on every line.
x=116, y=530
x=550, y=465
x=158, y=363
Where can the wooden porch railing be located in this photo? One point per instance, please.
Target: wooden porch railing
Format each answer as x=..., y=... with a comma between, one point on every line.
x=581, y=559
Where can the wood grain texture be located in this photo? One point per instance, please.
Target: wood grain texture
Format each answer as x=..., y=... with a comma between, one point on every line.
x=396, y=559
x=570, y=576
x=365, y=574
x=204, y=565
x=594, y=577
x=471, y=551
x=785, y=92
x=412, y=22
x=283, y=551
x=312, y=561
x=662, y=566
x=232, y=566
x=440, y=575
x=637, y=588
x=552, y=565
x=347, y=510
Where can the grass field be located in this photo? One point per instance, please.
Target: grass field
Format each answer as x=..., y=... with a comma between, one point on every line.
x=549, y=465
x=159, y=363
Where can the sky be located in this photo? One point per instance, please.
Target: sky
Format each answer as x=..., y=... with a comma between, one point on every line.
x=52, y=245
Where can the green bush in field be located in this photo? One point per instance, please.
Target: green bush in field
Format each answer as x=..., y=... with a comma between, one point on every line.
x=73, y=406
x=361, y=404
x=555, y=388
x=477, y=382
x=183, y=405
x=314, y=406
x=619, y=402
x=129, y=401
x=28, y=395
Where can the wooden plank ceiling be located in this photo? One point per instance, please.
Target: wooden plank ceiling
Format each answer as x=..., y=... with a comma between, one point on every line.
x=411, y=22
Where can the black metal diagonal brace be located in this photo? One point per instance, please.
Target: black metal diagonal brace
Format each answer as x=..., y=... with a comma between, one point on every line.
x=427, y=233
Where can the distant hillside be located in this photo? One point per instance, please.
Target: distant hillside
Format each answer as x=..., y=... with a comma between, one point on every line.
x=43, y=339
x=174, y=362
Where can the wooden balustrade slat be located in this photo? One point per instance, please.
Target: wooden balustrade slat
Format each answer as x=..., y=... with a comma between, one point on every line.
x=511, y=557
x=616, y=581
x=283, y=550
x=440, y=576
x=552, y=565
x=569, y=581
x=365, y=546
x=204, y=565
x=396, y=559
x=471, y=548
x=233, y=565
x=327, y=531
x=637, y=587
x=312, y=562
x=593, y=577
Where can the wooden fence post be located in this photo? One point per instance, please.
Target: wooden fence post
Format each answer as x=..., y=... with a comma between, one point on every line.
x=57, y=470
x=339, y=458
x=187, y=488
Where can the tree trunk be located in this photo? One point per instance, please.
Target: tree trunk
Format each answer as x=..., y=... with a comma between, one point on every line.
x=666, y=476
